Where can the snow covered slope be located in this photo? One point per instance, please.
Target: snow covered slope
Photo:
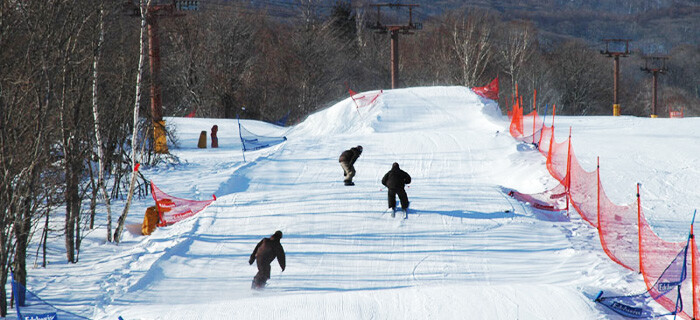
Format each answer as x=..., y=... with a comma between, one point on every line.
x=466, y=251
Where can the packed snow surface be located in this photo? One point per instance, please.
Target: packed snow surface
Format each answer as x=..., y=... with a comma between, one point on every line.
x=466, y=251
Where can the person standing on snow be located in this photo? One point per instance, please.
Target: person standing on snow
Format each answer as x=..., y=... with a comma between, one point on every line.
x=267, y=250
x=347, y=160
x=395, y=181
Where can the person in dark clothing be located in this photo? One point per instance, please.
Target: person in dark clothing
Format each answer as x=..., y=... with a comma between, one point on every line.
x=347, y=160
x=267, y=250
x=395, y=181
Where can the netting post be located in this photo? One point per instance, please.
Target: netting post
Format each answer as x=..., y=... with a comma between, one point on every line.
x=597, y=169
x=568, y=171
x=241, y=136
x=534, y=100
x=534, y=124
x=534, y=112
x=693, y=255
x=544, y=118
x=639, y=228
x=520, y=106
x=549, y=157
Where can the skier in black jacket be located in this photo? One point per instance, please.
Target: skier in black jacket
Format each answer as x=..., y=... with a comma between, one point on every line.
x=347, y=160
x=265, y=252
x=395, y=180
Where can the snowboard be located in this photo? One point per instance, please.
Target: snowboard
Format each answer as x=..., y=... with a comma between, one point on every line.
x=399, y=211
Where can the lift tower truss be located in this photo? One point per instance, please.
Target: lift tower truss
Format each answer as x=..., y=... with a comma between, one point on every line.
x=655, y=65
x=616, y=48
x=395, y=29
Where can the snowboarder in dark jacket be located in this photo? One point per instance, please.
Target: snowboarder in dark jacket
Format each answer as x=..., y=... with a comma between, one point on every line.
x=395, y=181
x=265, y=252
x=347, y=160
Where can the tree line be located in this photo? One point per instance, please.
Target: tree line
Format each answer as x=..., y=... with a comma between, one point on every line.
x=74, y=115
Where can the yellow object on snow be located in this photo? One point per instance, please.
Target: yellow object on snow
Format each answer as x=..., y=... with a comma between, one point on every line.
x=150, y=220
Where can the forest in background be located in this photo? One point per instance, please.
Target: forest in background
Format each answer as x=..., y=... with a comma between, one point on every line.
x=303, y=54
x=74, y=98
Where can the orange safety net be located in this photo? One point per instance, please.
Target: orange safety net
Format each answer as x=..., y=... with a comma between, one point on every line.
x=527, y=128
x=516, y=121
x=172, y=209
x=545, y=139
x=558, y=159
x=625, y=235
x=618, y=232
x=583, y=190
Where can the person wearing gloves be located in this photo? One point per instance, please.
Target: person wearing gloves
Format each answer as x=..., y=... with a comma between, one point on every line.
x=265, y=252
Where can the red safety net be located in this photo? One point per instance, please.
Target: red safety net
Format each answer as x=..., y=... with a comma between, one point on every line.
x=362, y=100
x=550, y=200
x=489, y=91
x=172, y=209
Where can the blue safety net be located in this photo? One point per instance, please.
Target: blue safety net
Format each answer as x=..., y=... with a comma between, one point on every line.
x=667, y=286
x=253, y=141
x=30, y=307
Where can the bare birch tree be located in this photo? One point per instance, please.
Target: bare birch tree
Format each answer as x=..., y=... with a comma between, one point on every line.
x=518, y=46
x=137, y=105
x=96, y=115
x=472, y=44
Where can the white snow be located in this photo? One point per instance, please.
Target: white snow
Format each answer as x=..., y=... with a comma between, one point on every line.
x=466, y=251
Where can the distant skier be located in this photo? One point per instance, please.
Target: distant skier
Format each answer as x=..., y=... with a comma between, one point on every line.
x=347, y=160
x=396, y=180
x=267, y=250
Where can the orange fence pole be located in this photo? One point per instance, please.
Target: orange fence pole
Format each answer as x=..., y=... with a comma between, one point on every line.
x=534, y=117
x=639, y=227
x=597, y=169
x=534, y=100
x=693, y=254
x=568, y=172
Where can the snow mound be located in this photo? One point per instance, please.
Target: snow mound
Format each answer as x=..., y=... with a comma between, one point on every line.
x=419, y=108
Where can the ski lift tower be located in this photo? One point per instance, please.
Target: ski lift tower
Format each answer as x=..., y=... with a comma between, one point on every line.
x=395, y=29
x=616, y=48
x=654, y=65
x=156, y=11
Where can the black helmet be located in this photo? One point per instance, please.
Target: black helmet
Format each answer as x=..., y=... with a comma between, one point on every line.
x=277, y=235
x=359, y=148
